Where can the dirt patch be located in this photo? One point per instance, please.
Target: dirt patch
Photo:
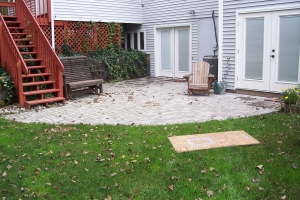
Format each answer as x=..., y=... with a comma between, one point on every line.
x=263, y=104
x=246, y=98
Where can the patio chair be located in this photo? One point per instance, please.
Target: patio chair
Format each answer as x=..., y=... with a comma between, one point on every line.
x=201, y=79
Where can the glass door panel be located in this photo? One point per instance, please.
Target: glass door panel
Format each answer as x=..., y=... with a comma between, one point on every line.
x=165, y=50
x=183, y=50
x=254, y=49
x=289, y=49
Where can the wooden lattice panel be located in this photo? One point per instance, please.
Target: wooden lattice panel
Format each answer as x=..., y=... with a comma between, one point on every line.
x=47, y=32
x=59, y=38
x=102, y=32
x=81, y=36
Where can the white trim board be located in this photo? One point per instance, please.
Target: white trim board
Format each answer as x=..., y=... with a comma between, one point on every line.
x=220, y=50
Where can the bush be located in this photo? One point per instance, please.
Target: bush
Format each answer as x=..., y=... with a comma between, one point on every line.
x=291, y=95
x=119, y=63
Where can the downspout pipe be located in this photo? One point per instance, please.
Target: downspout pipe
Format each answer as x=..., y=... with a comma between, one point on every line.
x=217, y=43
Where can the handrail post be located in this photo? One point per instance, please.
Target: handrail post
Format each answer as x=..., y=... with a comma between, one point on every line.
x=49, y=7
x=20, y=86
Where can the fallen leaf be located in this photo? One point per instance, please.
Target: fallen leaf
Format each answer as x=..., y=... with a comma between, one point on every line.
x=108, y=197
x=211, y=169
x=189, y=179
x=294, y=165
x=4, y=174
x=255, y=180
x=203, y=171
x=223, y=188
x=75, y=162
x=9, y=167
x=210, y=193
x=283, y=197
x=260, y=188
x=114, y=174
x=49, y=184
x=171, y=187
x=123, y=157
x=248, y=188
x=85, y=152
x=68, y=154
x=259, y=166
x=130, y=143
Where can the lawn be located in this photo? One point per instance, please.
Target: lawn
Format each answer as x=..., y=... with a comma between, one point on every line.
x=41, y=161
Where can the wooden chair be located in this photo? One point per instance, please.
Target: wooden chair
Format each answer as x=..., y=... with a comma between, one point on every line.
x=201, y=79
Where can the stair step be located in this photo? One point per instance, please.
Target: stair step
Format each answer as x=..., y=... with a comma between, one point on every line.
x=25, y=46
x=38, y=83
x=29, y=52
x=15, y=27
x=22, y=40
x=12, y=22
x=42, y=101
x=9, y=17
x=36, y=67
x=32, y=60
x=40, y=92
x=36, y=75
x=19, y=34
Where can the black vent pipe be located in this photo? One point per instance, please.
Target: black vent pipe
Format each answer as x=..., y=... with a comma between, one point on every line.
x=217, y=45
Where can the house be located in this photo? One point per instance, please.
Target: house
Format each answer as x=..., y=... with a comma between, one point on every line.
x=255, y=52
x=262, y=40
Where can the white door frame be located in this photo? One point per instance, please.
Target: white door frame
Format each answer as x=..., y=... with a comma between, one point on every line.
x=238, y=33
x=157, y=45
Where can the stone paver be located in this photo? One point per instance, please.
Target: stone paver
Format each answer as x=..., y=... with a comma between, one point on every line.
x=150, y=101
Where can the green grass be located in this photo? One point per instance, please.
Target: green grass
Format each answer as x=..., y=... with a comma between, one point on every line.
x=40, y=161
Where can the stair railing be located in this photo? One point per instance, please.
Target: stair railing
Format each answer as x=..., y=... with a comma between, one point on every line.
x=41, y=10
x=12, y=60
x=7, y=8
x=42, y=45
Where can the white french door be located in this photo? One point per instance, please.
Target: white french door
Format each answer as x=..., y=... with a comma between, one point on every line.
x=173, y=51
x=269, y=50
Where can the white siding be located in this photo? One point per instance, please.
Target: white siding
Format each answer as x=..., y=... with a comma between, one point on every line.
x=229, y=24
x=175, y=12
x=122, y=11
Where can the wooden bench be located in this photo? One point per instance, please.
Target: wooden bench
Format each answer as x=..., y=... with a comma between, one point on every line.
x=78, y=79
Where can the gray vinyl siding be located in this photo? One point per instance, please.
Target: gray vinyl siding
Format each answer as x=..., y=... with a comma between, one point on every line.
x=175, y=12
x=229, y=28
x=122, y=11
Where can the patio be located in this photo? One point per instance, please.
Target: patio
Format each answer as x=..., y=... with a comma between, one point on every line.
x=149, y=101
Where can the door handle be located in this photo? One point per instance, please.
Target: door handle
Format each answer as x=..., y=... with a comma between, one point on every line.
x=272, y=56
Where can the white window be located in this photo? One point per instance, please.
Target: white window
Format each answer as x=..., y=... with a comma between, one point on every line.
x=135, y=40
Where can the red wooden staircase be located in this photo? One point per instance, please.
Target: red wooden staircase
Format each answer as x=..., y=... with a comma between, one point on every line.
x=28, y=57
